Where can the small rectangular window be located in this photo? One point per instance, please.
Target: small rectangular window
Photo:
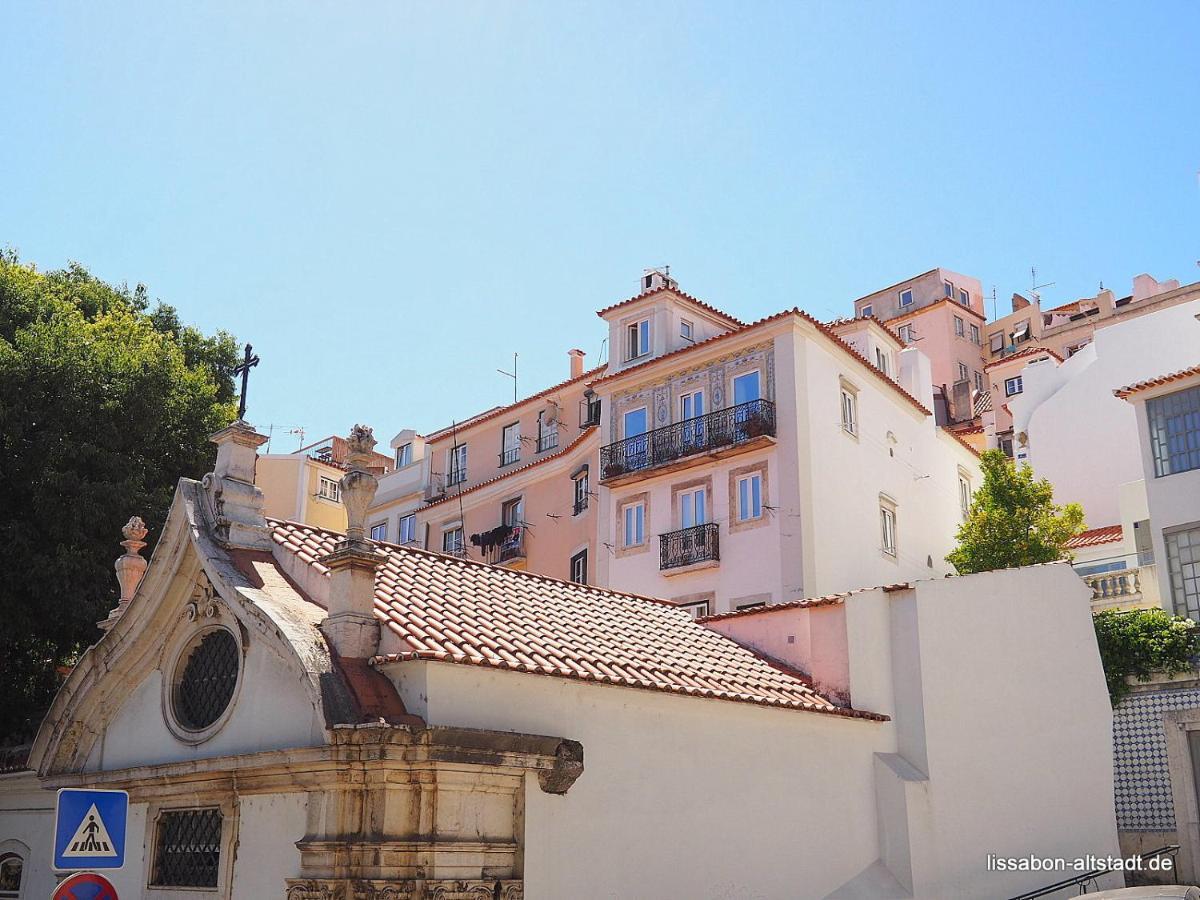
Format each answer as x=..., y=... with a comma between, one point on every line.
x=1183, y=570
x=696, y=609
x=959, y=326
x=187, y=849
x=635, y=525
x=510, y=444
x=881, y=360
x=849, y=412
x=379, y=531
x=408, y=529
x=964, y=496
x=867, y=312
x=685, y=329
x=749, y=497
x=693, y=508
x=452, y=541
x=330, y=490
x=456, y=464
x=906, y=298
x=964, y=297
x=1174, y=422
x=403, y=455
x=579, y=567
x=1013, y=386
x=963, y=372
x=639, y=338
x=887, y=529
x=979, y=381
x=996, y=342
x=906, y=333
x=949, y=288
x=974, y=333
x=581, y=493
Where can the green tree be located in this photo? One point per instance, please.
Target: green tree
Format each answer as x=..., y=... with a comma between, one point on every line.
x=104, y=404
x=1137, y=643
x=1013, y=520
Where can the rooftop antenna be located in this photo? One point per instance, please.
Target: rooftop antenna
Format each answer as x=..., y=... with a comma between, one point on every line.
x=1033, y=291
x=512, y=375
x=993, y=303
x=298, y=431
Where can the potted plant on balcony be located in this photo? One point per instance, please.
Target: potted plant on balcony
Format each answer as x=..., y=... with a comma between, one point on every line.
x=755, y=425
x=613, y=469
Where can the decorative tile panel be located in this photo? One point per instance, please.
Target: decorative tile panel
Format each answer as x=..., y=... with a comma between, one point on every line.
x=1141, y=775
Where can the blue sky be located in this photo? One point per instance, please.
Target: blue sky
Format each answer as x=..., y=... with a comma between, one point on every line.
x=389, y=199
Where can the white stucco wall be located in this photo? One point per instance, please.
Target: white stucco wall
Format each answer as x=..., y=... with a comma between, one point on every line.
x=1080, y=436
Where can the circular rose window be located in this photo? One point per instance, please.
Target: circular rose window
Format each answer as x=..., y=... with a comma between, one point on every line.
x=206, y=677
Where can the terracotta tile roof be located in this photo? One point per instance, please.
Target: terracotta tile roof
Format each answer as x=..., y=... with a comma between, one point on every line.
x=338, y=450
x=510, y=472
x=963, y=441
x=892, y=287
x=678, y=293
x=739, y=332
x=843, y=324
x=1156, y=382
x=501, y=410
x=447, y=609
x=1107, y=535
x=914, y=312
x=808, y=603
x=1028, y=351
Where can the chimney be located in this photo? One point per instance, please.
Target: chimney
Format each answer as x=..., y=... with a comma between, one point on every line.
x=1019, y=302
x=916, y=376
x=1106, y=303
x=351, y=626
x=576, y=362
x=235, y=504
x=130, y=568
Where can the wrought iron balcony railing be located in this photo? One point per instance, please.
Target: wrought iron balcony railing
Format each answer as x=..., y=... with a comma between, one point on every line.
x=510, y=456
x=699, y=543
x=547, y=441
x=723, y=428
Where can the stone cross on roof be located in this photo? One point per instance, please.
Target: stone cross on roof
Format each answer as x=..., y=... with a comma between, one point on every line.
x=249, y=361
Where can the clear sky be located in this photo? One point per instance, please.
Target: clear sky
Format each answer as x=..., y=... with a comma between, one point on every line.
x=390, y=199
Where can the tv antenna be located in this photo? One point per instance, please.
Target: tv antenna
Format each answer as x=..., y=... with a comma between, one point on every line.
x=1033, y=291
x=512, y=375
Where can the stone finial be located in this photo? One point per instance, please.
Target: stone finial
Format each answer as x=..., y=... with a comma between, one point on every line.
x=351, y=626
x=130, y=567
x=359, y=483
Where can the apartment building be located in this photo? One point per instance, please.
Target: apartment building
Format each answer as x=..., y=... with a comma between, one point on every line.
x=751, y=464
x=513, y=485
x=304, y=486
x=942, y=313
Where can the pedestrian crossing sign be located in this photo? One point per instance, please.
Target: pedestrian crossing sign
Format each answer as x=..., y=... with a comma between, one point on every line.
x=89, y=829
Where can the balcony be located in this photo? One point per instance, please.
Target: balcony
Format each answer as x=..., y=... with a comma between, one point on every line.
x=689, y=547
x=510, y=456
x=1136, y=587
x=547, y=441
x=681, y=444
x=502, y=545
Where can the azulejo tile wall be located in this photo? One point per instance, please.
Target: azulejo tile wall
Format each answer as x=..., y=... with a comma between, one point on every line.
x=1142, y=780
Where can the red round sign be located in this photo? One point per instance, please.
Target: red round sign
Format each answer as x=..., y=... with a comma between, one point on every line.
x=85, y=886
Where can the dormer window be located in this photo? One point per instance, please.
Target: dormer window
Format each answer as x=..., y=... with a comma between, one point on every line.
x=964, y=297
x=867, y=311
x=949, y=288
x=403, y=455
x=637, y=339
x=906, y=298
x=685, y=330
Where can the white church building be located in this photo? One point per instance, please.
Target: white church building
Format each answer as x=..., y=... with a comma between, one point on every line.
x=306, y=715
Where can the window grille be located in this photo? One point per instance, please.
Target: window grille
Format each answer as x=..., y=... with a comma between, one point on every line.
x=208, y=680
x=188, y=849
x=1175, y=431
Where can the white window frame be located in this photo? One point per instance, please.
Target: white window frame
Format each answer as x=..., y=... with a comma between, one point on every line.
x=758, y=373
x=996, y=342
x=633, y=517
x=964, y=495
x=948, y=287
x=964, y=297
x=964, y=372
x=683, y=401
x=446, y=545
x=907, y=292
x=881, y=361
x=637, y=339
x=905, y=333
x=867, y=311
x=400, y=529
x=687, y=330
x=580, y=483
x=404, y=455
x=979, y=382
x=625, y=421
x=1014, y=386
x=960, y=327
x=887, y=528
x=849, y=408
x=329, y=489
x=512, y=511
x=697, y=608
x=974, y=333
x=747, y=502
x=510, y=443
x=456, y=465
x=698, y=499
x=377, y=526
x=578, y=560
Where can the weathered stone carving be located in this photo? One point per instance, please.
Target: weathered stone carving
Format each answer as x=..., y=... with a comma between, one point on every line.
x=568, y=766
x=411, y=889
x=130, y=567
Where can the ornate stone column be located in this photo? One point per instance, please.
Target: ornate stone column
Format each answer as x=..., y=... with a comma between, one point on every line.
x=235, y=504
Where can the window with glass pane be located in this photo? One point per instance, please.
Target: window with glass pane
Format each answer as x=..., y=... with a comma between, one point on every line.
x=963, y=372
x=639, y=339
x=692, y=510
x=964, y=496
x=379, y=531
x=510, y=444
x=408, y=529
x=887, y=529
x=579, y=567
x=1013, y=386
x=685, y=329
x=456, y=464
x=949, y=289
x=12, y=869
x=849, y=412
x=581, y=493
x=452, y=540
x=1183, y=567
x=635, y=525
x=974, y=333
x=881, y=361
x=511, y=512
x=746, y=388
x=329, y=489
x=959, y=326
x=906, y=298
x=188, y=849
x=867, y=312
x=749, y=497
x=1175, y=431
x=403, y=455
x=964, y=297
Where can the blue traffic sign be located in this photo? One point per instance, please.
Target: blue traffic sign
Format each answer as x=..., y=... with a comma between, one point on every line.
x=89, y=829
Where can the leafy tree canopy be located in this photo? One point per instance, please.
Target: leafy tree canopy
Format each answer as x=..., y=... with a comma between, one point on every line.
x=104, y=404
x=1140, y=642
x=1013, y=520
